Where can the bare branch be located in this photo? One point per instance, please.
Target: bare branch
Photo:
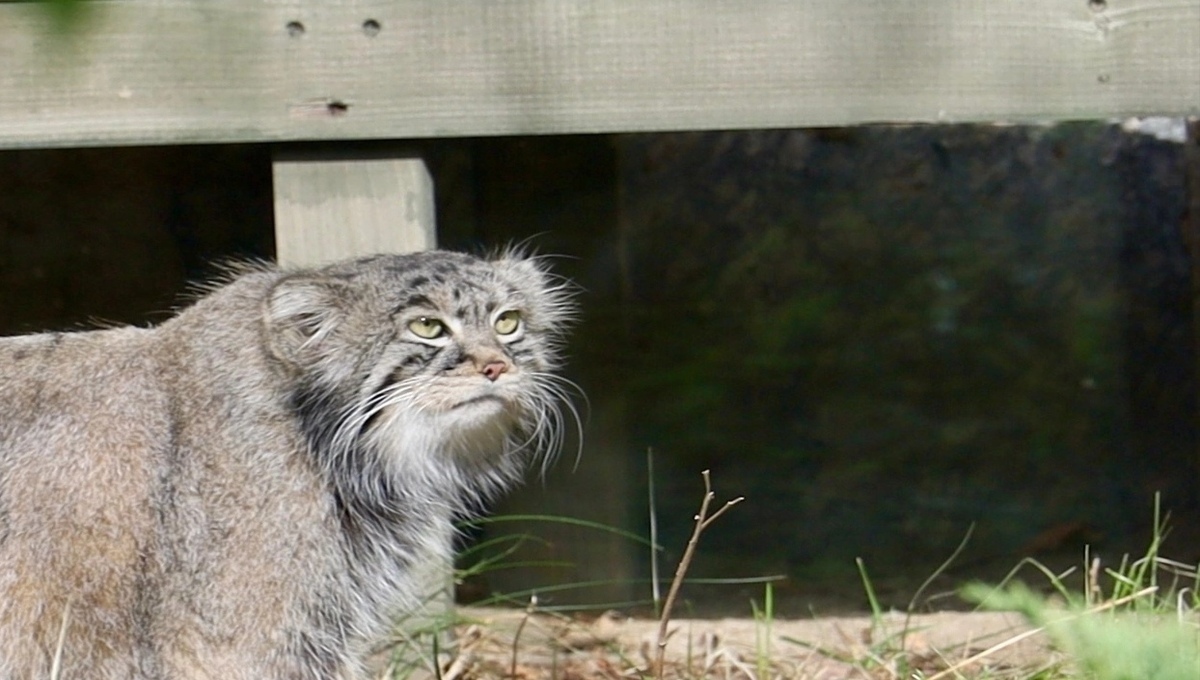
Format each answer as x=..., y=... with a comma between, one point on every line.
x=702, y=520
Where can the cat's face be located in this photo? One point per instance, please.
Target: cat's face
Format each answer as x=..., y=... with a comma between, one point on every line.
x=431, y=351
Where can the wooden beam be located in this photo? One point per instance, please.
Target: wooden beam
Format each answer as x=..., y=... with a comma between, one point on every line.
x=180, y=71
x=333, y=206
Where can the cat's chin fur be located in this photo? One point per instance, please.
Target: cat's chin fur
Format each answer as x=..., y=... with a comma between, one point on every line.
x=466, y=457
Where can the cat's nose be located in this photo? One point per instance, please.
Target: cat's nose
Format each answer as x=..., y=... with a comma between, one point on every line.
x=493, y=369
x=491, y=362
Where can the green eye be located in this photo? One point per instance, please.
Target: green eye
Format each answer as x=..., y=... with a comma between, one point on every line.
x=508, y=322
x=427, y=327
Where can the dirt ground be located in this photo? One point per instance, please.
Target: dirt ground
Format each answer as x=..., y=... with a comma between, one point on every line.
x=508, y=643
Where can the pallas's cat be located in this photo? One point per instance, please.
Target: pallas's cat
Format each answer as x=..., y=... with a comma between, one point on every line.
x=244, y=490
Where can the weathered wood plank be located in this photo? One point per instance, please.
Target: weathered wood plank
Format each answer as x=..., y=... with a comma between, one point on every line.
x=335, y=207
x=170, y=71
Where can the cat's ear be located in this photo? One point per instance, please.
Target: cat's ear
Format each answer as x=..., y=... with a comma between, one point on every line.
x=528, y=270
x=300, y=315
x=552, y=296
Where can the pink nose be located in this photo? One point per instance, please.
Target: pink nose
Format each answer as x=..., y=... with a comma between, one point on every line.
x=493, y=369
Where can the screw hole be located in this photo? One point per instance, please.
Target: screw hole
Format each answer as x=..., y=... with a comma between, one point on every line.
x=295, y=29
x=371, y=28
x=1097, y=5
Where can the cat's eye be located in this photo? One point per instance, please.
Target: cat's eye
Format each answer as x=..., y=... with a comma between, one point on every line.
x=508, y=322
x=427, y=327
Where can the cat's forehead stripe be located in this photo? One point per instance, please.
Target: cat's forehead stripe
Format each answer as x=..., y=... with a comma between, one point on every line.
x=464, y=287
x=414, y=301
x=459, y=309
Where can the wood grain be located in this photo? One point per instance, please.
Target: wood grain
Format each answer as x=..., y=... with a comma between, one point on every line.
x=180, y=71
x=330, y=208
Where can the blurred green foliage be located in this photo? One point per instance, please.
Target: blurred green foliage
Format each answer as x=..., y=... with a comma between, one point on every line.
x=1128, y=643
x=66, y=16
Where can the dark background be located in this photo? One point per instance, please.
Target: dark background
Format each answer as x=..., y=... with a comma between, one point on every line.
x=881, y=336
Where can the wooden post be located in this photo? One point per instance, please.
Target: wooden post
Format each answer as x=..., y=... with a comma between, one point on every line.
x=332, y=206
x=335, y=205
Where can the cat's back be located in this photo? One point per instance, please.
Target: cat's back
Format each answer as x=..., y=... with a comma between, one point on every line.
x=93, y=417
x=60, y=383
x=128, y=372
x=81, y=416
x=69, y=357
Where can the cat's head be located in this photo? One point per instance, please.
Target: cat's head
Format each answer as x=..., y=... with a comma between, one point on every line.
x=433, y=354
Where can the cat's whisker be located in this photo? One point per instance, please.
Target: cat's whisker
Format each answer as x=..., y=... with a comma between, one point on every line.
x=556, y=394
x=355, y=417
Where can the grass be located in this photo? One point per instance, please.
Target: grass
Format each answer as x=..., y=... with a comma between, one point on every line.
x=763, y=617
x=1134, y=620
x=1142, y=626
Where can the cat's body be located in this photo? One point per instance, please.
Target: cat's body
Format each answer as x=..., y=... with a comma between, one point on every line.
x=242, y=492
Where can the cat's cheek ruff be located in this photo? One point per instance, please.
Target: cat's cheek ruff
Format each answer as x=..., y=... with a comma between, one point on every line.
x=380, y=387
x=424, y=455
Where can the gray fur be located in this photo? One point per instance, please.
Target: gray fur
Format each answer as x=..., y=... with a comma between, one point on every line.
x=242, y=491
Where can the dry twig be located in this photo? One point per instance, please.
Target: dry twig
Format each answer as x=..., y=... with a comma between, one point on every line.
x=516, y=643
x=703, y=520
